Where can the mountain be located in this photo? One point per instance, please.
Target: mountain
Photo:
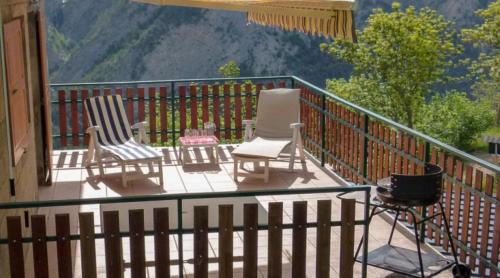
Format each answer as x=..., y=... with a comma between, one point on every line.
x=118, y=40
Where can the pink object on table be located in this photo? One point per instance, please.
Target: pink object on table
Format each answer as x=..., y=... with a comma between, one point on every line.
x=199, y=140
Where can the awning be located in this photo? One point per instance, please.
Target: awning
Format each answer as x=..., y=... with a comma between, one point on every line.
x=329, y=18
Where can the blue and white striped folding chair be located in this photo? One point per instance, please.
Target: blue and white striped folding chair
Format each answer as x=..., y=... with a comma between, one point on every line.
x=111, y=139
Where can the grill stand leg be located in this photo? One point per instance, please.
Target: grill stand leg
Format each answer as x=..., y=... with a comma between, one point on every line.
x=361, y=240
x=448, y=234
x=393, y=227
x=415, y=227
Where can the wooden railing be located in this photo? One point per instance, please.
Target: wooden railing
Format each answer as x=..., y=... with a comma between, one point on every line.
x=359, y=145
x=169, y=107
x=137, y=232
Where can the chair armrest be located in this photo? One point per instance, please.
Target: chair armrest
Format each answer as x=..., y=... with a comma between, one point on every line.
x=92, y=129
x=139, y=125
x=248, y=122
x=296, y=125
x=248, y=129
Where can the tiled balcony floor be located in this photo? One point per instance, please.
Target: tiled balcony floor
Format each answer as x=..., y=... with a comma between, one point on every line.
x=71, y=180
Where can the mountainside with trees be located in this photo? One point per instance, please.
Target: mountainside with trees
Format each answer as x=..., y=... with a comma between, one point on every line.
x=116, y=40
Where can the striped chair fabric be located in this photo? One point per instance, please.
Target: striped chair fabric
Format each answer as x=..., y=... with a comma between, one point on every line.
x=114, y=134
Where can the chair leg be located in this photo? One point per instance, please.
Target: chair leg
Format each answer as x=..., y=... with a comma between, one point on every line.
x=448, y=233
x=124, y=175
x=160, y=171
x=266, y=171
x=301, y=149
x=90, y=154
x=393, y=227
x=235, y=169
x=415, y=228
x=100, y=165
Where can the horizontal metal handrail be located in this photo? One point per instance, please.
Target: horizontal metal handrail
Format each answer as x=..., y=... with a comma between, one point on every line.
x=180, y=196
x=393, y=124
x=170, y=81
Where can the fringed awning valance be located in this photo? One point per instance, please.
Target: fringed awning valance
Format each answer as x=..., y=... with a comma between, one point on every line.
x=329, y=18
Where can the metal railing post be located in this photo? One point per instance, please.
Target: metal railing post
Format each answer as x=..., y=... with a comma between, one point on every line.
x=365, y=147
x=427, y=159
x=172, y=103
x=179, y=238
x=323, y=128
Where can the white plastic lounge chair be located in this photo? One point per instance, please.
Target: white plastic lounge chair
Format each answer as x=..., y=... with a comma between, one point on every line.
x=277, y=129
x=111, y=139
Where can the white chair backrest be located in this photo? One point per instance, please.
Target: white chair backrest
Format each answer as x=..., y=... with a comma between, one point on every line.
x=276, y=110
x=108, y=113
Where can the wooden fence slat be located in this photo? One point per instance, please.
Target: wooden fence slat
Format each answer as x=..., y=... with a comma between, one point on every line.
x=496, y=234
x=225, y=241
x=152, y=114
x=466, y=217
x=457, y=200
x=275, y=240
x=182, y=108
x=258, y=88
x=204, y=103
x=475, y=217
x=137, y=244
x=74, y=119
x=64, y=265
x=299, y=239
x=248, y=102
x=282, y=84
x=227, y=112
x=87, y=244
x=85, y=119
x=216, y=99
x=375, y=152
x=61, y=95
x=39, y=235
x=118, y=92
x=250, y=233
x=270, y=85
x=193, y=106
x=163, y=114
x=449, y=187
x=130, y=105
x=348, y=207
x=16, y=256
x=107, y=91
x=140, y=104
x=96, y=92
x=200, y=241
x=237, y=110
x=112, y=244
x=162, y=242
x=430, y=209
x=381, y=152
x=323, y=238
x=485, y=229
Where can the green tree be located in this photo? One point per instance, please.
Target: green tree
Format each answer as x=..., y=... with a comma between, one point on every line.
x=230, y=69
x=399, y=57
x=485, y=70
x=455, y=119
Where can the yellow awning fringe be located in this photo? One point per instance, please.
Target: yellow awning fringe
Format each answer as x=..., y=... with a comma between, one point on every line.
x=338, y=25
x=328, y=18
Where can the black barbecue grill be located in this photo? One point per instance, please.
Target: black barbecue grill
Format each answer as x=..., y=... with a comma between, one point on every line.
x=412, y=191
x=401, y=194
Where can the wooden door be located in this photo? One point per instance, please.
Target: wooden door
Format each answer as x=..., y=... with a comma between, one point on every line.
x=16, y=84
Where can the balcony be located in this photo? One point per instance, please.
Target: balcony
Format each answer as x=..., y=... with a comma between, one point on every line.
x=344, y=142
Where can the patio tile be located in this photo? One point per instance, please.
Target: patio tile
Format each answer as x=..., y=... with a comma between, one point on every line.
x=74, y=181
